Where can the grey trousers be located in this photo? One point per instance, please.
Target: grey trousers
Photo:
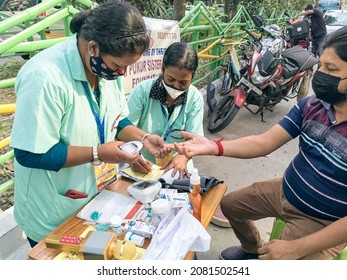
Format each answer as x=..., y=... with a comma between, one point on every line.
x=266, y=199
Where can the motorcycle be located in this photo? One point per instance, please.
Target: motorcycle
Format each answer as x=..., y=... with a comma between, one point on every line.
x=297, y=33
x=273, y=74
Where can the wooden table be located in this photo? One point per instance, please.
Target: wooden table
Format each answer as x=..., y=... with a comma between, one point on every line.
x=74, y=226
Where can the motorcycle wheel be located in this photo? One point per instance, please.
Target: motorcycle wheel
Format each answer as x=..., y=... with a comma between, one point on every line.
x=218, y=85
x=16, y=5
x=224, y=112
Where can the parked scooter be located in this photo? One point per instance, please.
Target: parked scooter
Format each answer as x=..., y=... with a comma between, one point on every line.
x=273, y=74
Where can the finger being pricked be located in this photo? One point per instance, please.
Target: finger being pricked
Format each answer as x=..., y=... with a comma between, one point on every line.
x=179, y=147
x=164, y=153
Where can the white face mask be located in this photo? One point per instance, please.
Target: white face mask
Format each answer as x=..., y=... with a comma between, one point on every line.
x=174, y=93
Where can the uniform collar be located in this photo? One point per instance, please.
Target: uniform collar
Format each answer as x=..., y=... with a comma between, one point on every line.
x=75, y=60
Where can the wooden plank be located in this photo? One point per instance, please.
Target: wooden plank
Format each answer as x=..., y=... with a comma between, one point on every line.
x=75, y=226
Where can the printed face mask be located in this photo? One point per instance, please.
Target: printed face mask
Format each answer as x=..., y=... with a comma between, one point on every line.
x=325, y=87
x=99, y=68
x=174, y=93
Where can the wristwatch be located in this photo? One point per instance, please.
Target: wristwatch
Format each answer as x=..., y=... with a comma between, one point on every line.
x=96, y=161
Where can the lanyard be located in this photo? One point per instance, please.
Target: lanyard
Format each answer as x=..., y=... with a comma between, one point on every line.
x=167, y=132
x=100, y=124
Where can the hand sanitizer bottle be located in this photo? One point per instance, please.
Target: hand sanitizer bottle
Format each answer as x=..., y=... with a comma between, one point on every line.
x=195, y=196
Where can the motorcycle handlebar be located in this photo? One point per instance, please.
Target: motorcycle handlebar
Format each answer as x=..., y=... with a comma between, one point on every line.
x=255, y=38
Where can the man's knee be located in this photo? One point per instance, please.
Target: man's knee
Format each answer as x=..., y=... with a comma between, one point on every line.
x=233, y=201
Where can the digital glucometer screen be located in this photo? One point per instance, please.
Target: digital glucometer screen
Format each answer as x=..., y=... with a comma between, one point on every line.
x=142, y=185
x=129, y=148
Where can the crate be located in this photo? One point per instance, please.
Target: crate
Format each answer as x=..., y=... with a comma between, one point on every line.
x=299, y=31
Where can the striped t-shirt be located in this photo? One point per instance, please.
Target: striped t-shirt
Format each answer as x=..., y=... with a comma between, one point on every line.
x=315, y=182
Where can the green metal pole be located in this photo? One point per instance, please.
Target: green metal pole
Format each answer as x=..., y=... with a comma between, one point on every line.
x=28, y=14
x=7, y=185
x=21, y=36
x=195, y=36
x=9, y=155
x=7, y=83
x=36, y=45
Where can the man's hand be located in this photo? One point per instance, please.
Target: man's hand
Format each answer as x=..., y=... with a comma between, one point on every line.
x=196, y=145
x=279, y=250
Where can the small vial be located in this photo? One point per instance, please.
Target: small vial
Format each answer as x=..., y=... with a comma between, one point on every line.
x=137, y=239
x=116, y=224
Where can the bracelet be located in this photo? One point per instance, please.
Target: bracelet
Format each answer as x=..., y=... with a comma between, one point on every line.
x=144, y=137
x=220, y=146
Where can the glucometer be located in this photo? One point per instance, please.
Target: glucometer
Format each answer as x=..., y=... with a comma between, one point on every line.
x=144, y=191
x=132, y=147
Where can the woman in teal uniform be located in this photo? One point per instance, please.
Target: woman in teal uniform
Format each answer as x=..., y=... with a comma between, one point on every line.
x=169, y=104
x=69, y=104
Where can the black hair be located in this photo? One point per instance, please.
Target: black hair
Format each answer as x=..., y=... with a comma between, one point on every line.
x=181, y=55
x=337, y=40
x=118, y=28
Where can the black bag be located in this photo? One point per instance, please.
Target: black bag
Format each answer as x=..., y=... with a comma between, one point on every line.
x=182, y=185
x=299, y=30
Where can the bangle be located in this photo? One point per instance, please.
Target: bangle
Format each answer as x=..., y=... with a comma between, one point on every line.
x=220, y=146
x=144, y=137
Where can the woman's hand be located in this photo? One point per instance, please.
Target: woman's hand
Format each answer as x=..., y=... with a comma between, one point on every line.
x=111, y=153
x=177, y=163
x=156, y=146
x=143, y=166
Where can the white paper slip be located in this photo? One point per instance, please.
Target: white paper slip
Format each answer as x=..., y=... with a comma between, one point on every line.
x=168, y=178
x=107, y=204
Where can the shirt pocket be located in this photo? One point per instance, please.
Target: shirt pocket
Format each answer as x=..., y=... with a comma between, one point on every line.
x=63, y=207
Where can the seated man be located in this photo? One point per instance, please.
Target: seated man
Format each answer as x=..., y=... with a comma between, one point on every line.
x=312, y=195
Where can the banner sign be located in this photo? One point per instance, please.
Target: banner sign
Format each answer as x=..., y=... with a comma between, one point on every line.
x=163, y=33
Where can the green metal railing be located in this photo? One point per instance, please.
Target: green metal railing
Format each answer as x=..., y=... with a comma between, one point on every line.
x=204, y=28
x=200, y=27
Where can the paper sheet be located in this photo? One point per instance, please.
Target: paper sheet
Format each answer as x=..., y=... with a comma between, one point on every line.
x=155, y=174
x=168, y=178
x=108, y=204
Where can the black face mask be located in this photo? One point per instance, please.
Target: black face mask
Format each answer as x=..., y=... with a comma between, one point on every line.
x=100, y=68
x=325, y=87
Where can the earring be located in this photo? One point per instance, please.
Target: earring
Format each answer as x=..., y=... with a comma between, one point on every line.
x=92, y=54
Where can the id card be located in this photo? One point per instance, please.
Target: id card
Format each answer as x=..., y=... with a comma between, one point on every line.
x=105, y=174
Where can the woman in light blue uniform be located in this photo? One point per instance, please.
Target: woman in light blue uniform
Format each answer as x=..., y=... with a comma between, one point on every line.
x=169, y=104
x=69, y=104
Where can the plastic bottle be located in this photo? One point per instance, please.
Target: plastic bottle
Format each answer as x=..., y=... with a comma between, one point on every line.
x=116, y=224
x=195, y=196
x=137, y=239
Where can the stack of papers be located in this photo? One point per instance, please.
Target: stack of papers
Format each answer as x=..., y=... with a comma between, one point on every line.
x=153, y=175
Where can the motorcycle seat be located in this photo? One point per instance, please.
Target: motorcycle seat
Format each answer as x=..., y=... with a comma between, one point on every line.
x=300, y=57
x=289, y=68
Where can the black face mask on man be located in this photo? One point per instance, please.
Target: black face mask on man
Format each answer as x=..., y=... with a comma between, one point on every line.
x=325, y=87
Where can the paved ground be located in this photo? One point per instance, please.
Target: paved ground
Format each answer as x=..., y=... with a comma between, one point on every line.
x=238, y=173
